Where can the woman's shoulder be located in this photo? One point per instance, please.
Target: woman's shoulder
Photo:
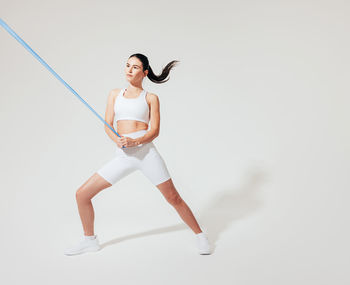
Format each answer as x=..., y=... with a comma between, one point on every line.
x=152, y=98
x=115, y=92
x=151, y=94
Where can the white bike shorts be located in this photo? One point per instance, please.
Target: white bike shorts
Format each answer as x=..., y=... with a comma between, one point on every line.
x=144, y=157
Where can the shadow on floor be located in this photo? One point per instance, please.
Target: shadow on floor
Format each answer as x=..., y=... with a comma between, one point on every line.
x=222, y=210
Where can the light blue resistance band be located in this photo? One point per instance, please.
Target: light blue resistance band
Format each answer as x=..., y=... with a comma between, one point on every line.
x=12, y=33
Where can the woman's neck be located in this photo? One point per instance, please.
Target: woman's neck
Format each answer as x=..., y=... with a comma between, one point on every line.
x=134, y=89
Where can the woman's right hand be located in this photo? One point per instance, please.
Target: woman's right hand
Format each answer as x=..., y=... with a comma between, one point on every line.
x=120, y=141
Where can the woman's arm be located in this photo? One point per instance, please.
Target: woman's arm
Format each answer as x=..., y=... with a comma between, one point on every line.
x=154, y=121
x=109, y=116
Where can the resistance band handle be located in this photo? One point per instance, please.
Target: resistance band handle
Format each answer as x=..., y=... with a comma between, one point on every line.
x=22, y=42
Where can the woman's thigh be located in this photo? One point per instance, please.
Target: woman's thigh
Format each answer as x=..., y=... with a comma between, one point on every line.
x=117, y=168
x=154, y=167
x=92, y=186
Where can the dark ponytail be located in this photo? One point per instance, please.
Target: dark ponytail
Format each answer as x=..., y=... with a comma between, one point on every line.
x=155, y=78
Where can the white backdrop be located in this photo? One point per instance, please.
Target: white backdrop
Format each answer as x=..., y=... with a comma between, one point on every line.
x=254, y=131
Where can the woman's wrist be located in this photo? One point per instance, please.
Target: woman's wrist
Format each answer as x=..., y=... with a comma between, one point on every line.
x=137, y=141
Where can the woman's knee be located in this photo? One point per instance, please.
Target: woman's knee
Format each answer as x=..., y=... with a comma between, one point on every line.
x=82, y=194
x=86, y=192
x=91, y=187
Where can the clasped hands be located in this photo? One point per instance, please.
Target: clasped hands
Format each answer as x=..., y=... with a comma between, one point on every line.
x=126, y=142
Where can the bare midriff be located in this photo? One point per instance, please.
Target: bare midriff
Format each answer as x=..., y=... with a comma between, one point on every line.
x=130, y=126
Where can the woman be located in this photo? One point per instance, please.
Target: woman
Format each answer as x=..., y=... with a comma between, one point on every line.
x=133, y=109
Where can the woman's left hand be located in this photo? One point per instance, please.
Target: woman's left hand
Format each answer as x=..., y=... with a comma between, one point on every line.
x=128, y=142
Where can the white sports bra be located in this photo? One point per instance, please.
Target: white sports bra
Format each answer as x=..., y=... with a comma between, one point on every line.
x=131, y=108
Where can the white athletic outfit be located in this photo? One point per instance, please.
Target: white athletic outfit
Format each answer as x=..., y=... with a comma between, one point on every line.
x=144, y=157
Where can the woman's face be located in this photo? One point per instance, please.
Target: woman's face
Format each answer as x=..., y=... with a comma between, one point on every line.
x=133, y=70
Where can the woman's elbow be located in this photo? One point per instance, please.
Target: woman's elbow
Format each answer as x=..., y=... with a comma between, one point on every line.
x=156, y=132
x=107, y=127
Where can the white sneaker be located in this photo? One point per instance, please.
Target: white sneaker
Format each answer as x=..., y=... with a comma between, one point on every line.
x=203, y=243
x=85, y=245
